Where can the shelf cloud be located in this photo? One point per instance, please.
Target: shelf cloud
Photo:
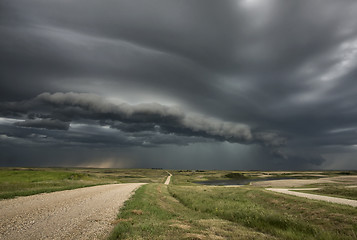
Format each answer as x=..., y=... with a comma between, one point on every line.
x=58, y=110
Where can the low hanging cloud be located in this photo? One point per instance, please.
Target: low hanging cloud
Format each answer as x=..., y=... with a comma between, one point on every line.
x=91, y=121
x=56, y=111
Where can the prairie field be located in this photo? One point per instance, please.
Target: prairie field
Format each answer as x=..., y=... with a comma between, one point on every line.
x=192, y=206
x=188, y=210
x=27, y=181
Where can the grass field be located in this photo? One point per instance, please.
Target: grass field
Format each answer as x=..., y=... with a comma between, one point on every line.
x=185, y=210
x=27, y=181
x=152, y=213
x=284, y=217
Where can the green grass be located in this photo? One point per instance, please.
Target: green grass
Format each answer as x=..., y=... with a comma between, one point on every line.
x=152, y=213
x=189, y=177
x=236, y=175
x=285, y=217
x=185, y=210
x=28, y=181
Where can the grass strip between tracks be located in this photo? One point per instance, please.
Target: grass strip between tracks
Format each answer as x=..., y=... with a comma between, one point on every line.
x=152, y=213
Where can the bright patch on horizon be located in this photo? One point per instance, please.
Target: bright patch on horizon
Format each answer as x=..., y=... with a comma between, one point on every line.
x=8, y=121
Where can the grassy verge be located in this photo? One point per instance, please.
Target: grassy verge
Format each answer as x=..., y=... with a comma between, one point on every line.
x=28, y=181
x=152, y=213
x=285, y=217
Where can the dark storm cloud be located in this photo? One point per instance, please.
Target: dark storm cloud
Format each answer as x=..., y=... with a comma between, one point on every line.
x=145, y=125
x=88, y=136
x=274, y=73
x=130, y=118
x=44, y=123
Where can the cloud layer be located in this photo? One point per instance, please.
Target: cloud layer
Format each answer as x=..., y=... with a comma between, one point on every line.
x=276, y=76
x=58, y=110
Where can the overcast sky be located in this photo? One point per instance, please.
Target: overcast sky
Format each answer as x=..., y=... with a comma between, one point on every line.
x=189, y=84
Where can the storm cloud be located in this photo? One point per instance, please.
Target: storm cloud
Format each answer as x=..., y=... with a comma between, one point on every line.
x=56, y=111
x=270, y=82
x=44, y=123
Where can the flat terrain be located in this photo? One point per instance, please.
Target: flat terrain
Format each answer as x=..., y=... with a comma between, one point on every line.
x=186, y=210
x=86, y=213
x=180, y=209
x=28, y=181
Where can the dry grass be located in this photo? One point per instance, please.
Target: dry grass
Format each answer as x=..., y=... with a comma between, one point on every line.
x=194, y=236
x=115, y=222
x=137, y=212
x=222, y=229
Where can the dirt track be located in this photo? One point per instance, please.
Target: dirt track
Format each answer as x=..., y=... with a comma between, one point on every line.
x=349, y=202
x=287, y=183
x=168, y=179
x=85, y=213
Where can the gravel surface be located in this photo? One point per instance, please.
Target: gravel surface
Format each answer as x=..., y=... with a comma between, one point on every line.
x=344, y=201
x=168, y=179
x=85, y=213
x=287, y=183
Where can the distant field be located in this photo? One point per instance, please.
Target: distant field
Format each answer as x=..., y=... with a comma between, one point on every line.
x=188, y=177
x=27, y=181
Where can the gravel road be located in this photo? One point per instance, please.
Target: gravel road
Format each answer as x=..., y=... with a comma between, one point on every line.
x=85, y=213
x=344, y=201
